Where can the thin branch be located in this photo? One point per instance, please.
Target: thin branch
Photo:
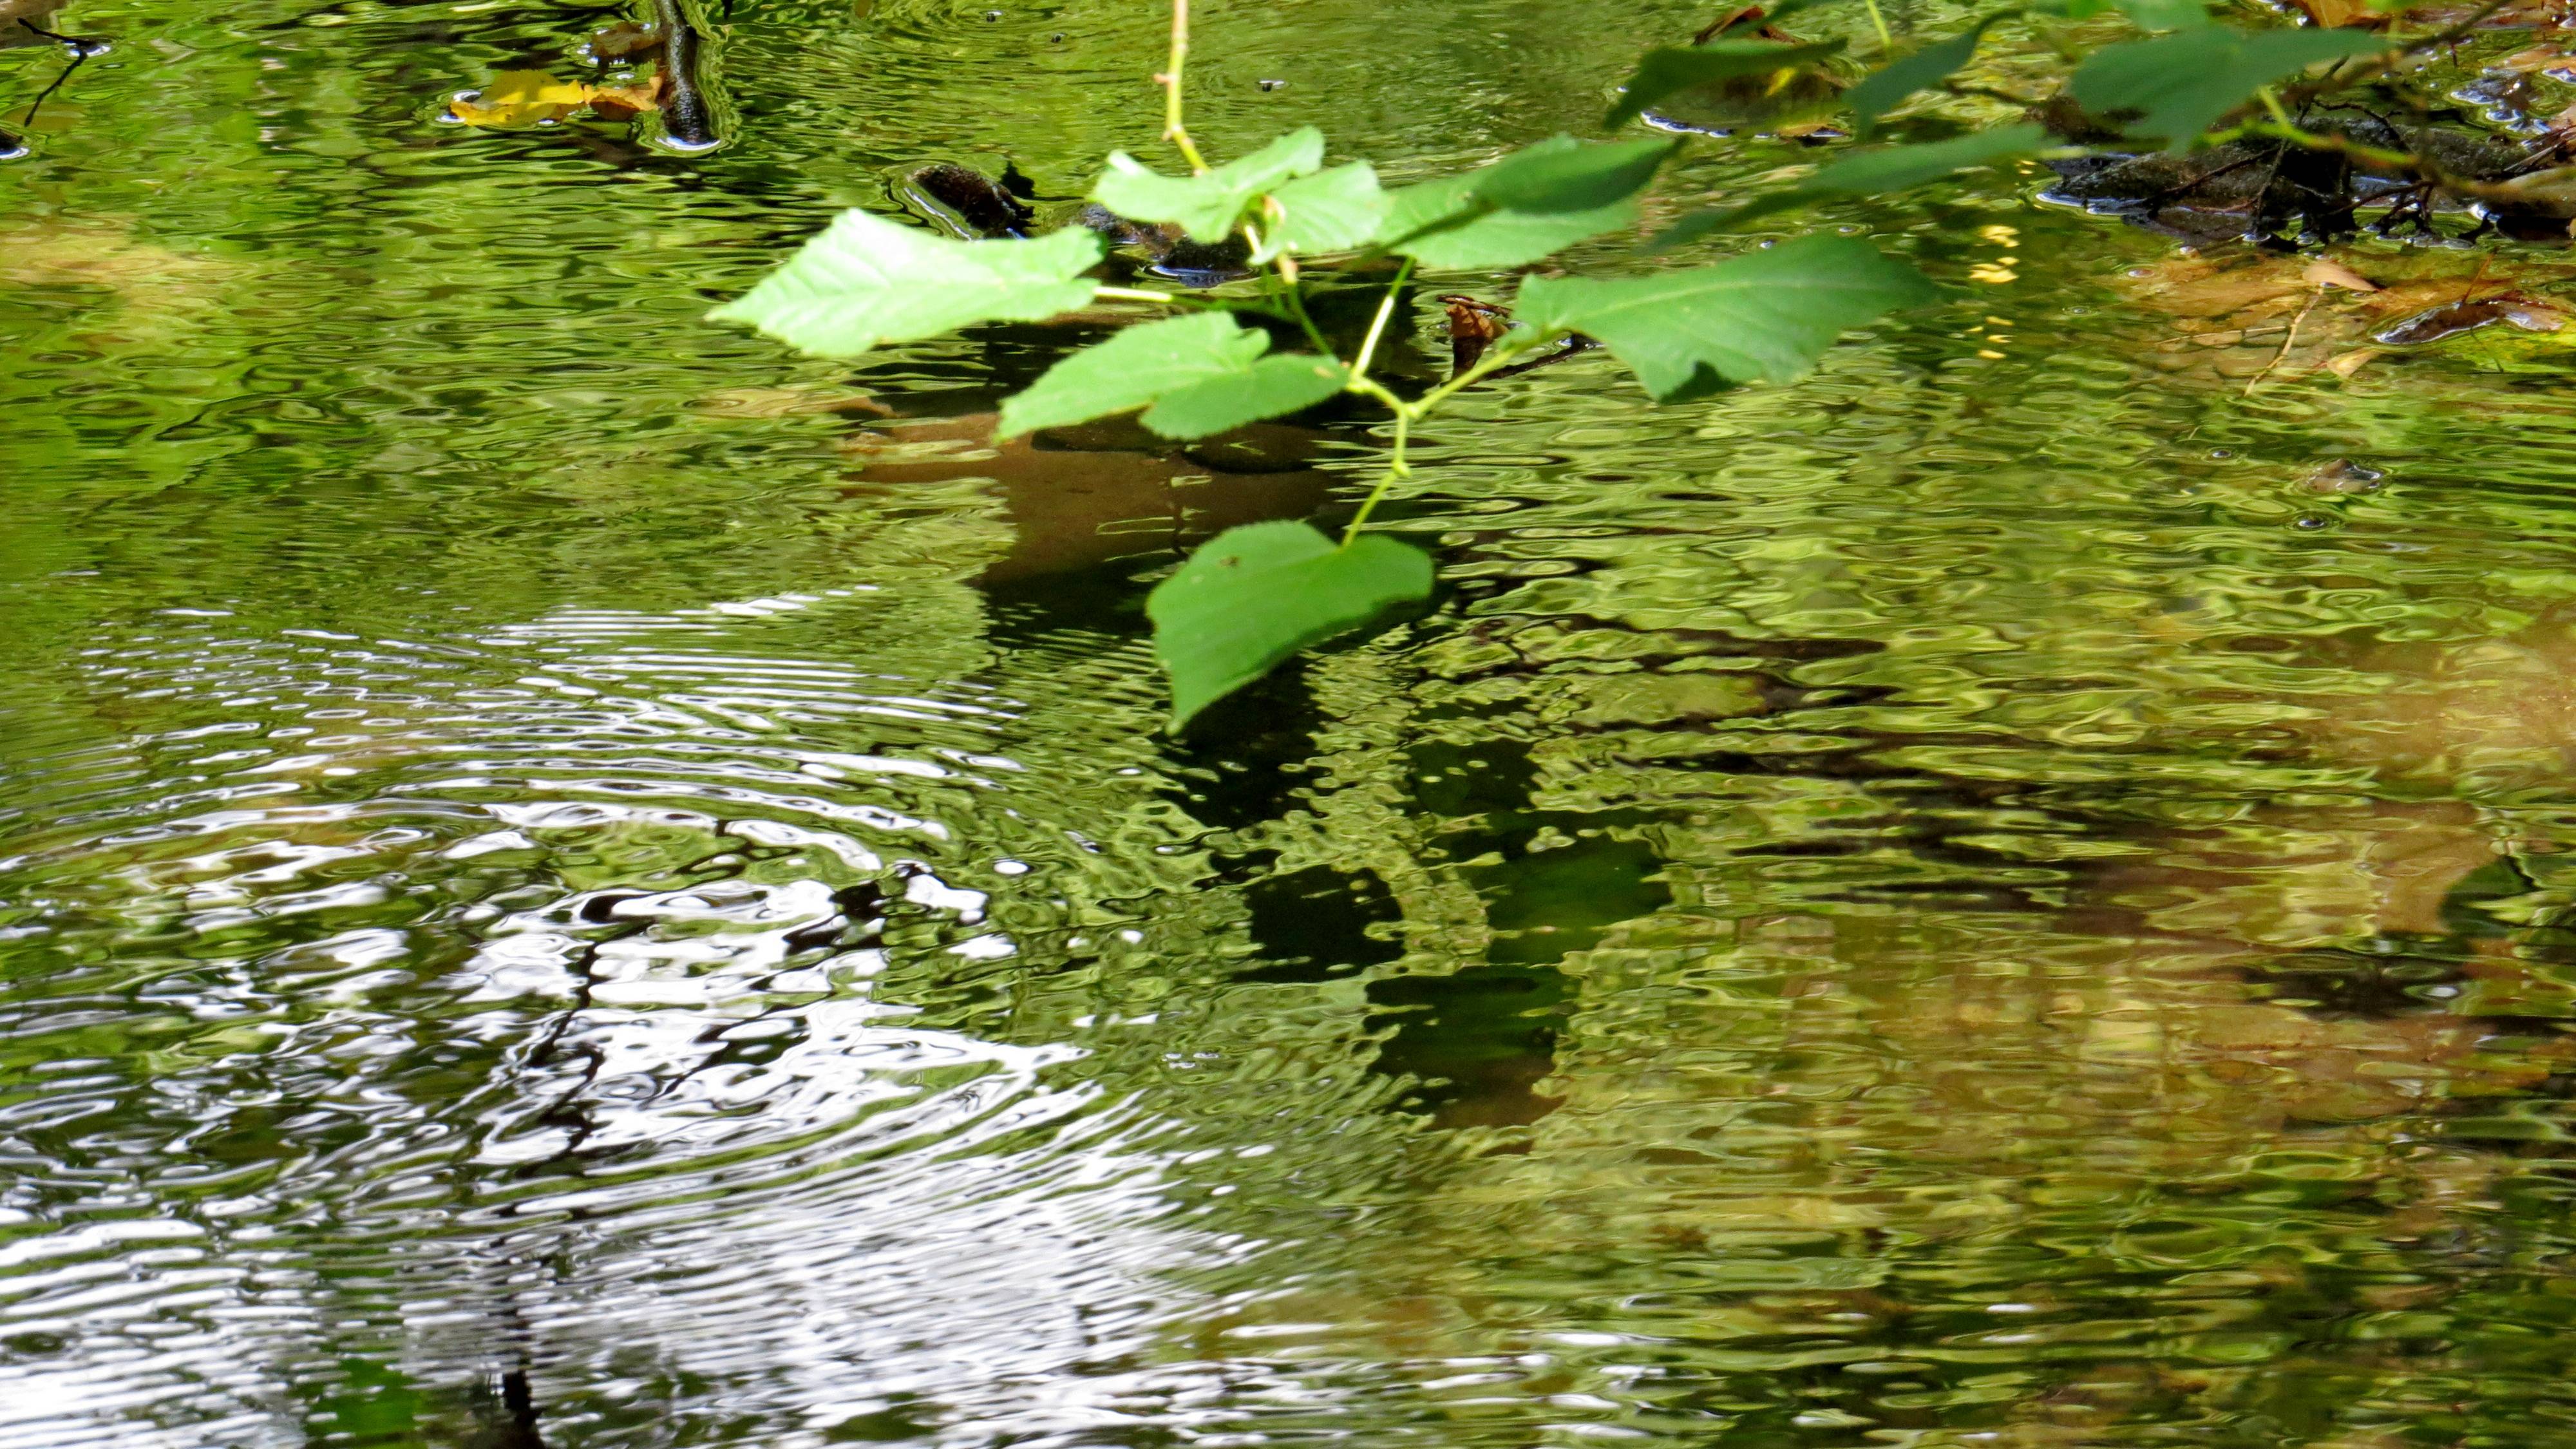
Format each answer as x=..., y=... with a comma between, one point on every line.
x=2293, y=336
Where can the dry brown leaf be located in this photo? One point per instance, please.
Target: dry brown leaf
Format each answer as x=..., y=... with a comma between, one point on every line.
x=2344, y=365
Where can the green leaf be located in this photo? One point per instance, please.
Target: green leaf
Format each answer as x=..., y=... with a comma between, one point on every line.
x=1274, y=386
x=1445, y=224
x=1331, y=211
x=1670, y=71
x=2166, y=14
x=1133, y=369
x=867, y=281
x=1769, y=314
x=1201, y=374
x=1893, y=168
x=1571, y=178
x=1881, y=90
x=2183, y=83
x=1867, y=173
x=1253, y=596
x=1207, y=206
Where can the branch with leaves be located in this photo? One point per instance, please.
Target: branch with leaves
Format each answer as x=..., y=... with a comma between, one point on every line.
x=1256, y=596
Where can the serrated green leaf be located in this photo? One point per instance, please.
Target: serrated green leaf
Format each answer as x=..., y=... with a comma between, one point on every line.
x=1766, y=315
x=1573, y=178
x=1207, y=206
x=1201, y=374
x=1444, y=224
x=1272, y=387
x=1868, y=173
x=1331, y=211
x=1672, y=70
x=1881, y=90
x=1254, y=596
x=866, y=281
x=2181, y=84
x=1133, y=369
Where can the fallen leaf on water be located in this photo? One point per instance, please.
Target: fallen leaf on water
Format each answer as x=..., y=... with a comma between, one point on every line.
x=2453, y=318
x=2222, y=307
x=625, y=39
x=528, y=97
x=2327, y=272
x=1473, y=327
x=2354, y=13
x=621, y=103
x=2539, y=57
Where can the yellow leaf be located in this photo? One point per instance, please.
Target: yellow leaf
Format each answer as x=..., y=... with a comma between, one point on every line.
x=521, y=98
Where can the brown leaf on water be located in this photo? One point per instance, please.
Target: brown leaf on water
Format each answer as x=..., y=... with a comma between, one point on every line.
x=1473, y=327
x=2327, y=272
x=2537, y=58
x=2354, y=13
x=2225, y=307
x=626, y=40
x=624, y=103
x=2453, y=318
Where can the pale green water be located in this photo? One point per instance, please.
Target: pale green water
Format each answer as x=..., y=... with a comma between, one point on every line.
x=1973, y=900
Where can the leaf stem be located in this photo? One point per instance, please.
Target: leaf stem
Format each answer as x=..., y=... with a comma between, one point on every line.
x=1408, y=413
x=1396, y=467
x=1173, y=130
x=1886, y=42
x=1296, y=311
x=1377, y=324
x=2272, y=103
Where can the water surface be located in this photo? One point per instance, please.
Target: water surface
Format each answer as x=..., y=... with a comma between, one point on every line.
x=567, y=877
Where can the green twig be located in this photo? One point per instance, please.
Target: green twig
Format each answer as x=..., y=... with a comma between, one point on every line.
x=1173, y=130
x=1377, y=325
x=1409, y=413
x=1396, y=467
x=1886, y=42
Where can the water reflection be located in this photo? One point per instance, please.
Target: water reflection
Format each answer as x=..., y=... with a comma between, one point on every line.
x=567, y=879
